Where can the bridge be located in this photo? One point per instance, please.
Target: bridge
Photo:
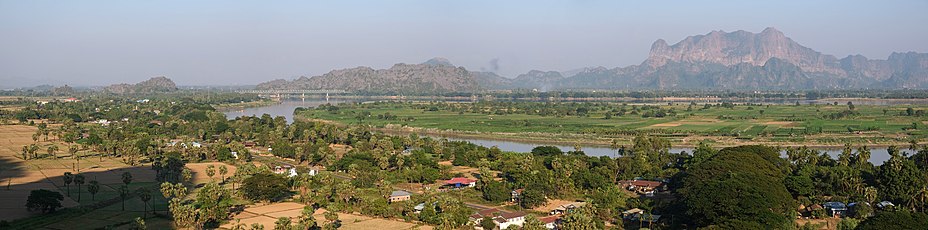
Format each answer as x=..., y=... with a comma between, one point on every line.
x=292, y=91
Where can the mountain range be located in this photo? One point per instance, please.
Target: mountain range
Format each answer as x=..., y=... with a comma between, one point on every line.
x=717, y=60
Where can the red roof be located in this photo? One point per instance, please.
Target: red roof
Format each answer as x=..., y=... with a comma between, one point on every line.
x=460, y=180
x=548, y=219
x=510, y=215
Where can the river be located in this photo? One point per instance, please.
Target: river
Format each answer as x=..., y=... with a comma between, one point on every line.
x=286, y=107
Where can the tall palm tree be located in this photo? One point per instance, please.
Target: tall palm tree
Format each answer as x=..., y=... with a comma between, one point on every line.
x=78, y=181
x=123, y=194
x=52, y=149
x=126, y=178
x=145, y=196
x=93, y=187
x=68, y=178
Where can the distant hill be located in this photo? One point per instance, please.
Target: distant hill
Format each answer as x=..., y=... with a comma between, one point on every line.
x=155, y=84
x=434, y=76
x=717, y=60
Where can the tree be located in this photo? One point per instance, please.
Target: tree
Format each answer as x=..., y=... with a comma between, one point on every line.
x=93, y=187
x=895, y=220
x=213, y=203
x=123, y=194
x=307, y=221
x=332, y=221
x=487, y=223
x=144, y=195
x=223, y=170
x=210, y=171
x=140, y=223
x=496, y=192
x=78, y=181
x=126, y=178
x=899, y=180
x=264, y=186
x=52, y=150
x=282, y=223
x=532, y=223
x=582, y=218
x=531, y=197
x=44, y=200
x=547, y=150
x=68, y=178
x=742, y=184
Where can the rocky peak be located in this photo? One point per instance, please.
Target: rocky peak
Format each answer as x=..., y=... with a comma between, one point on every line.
x=741, y=47
x=438, y=61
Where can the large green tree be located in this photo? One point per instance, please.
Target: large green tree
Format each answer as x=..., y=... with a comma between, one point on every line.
x=741, y=184
x=44, y=200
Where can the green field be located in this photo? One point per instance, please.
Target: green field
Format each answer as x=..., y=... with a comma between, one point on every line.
x=783, y=124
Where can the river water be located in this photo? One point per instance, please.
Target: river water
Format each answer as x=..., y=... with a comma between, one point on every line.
x=286, y=108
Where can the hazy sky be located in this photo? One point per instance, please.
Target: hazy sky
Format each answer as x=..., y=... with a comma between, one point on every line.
x=246, y=42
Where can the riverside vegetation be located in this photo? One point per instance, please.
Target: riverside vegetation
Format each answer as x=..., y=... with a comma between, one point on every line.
x=359, y=167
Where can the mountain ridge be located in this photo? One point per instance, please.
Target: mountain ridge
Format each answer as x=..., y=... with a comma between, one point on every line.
x=716, y=60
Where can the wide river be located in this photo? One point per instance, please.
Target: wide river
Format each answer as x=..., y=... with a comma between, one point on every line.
x=286, y=107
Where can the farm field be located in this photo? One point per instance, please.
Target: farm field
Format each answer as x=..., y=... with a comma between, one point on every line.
x=683, y=124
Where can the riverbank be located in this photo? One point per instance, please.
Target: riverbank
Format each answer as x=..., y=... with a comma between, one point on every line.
x=244, y=105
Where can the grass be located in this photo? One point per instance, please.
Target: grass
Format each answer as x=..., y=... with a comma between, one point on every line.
x=757, y=123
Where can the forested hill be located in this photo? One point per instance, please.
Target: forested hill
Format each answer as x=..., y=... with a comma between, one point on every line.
x=434, y=76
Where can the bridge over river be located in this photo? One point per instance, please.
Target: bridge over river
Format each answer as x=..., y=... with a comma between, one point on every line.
x=292, y=92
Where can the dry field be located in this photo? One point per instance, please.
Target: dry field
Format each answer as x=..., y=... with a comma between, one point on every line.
x=200, y=176
x=551, y=205
x=18, y=177
x=267, y=214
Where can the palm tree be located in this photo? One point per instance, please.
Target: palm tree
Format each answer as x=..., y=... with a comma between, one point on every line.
x=124, y=193
x=223, y=170
x=210, y=171
x=145, y=196
x=93, y=187
x=52, y=149
x=68, y=178
x=78, y=181
x=127, y=178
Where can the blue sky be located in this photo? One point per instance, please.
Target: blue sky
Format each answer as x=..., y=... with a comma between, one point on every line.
x=246, y=42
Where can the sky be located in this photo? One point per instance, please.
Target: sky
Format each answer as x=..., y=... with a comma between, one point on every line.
x=92, y=43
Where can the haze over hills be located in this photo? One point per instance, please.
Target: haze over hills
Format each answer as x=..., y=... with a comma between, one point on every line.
x=154, y=84
x=717, y=60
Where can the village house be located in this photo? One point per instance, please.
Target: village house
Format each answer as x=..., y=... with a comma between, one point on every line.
x=502, y=219
x=644, y=187
x=516, y=194
x=835, y=209
x=640, y=216
x=288, y=170
x=460, y=182
x=550, y=222
x=564, y=209
x=399, y=195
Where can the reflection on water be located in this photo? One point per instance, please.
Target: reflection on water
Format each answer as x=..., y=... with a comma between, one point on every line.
x=877, y=155
x=286, y=107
